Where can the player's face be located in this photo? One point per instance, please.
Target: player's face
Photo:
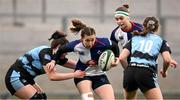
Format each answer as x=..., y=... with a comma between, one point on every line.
x=122, y=21
x=88, y=41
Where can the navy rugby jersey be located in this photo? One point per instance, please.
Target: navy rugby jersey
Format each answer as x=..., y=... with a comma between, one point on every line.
x=145, y=49
x=118, y=35
x=101, y=44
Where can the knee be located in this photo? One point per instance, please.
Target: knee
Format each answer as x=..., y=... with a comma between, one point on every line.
x=87, y=96
x=39, y=96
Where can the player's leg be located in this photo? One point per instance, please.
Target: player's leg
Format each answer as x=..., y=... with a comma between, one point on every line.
x=102, y=87
x=38, y=88
x=29, y=92
x=105, y=92
x=25, y=92
x=21, y=85
x=130, y=95
x=84, y=87
x=40, y=91
x=18, y=85
x=148, y=83
x=154, y=93
x=129, y=83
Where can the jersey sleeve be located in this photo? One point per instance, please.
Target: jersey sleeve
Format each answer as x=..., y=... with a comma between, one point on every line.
x=165, y=47
x=139, y=27
x=45, y=56
x=61, y=61
x=113, y=36
x=64, y=49
x=115, y=48
x=128, y=45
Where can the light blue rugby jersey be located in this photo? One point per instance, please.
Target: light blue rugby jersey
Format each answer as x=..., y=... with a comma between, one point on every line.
x=145, y=49
x=34, y=60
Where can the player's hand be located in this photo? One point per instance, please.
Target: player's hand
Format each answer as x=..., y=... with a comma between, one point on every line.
x=51, y=65
x=163, y=74
x=79, y=74
x=173, y=63
x=115, y=62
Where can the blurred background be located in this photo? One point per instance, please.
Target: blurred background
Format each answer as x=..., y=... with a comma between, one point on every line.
x=25, y=24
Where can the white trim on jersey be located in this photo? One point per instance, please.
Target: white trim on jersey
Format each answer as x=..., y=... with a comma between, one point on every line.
x=121, y=36
x=84, y=53
x=85, y=56
x=94, y=71
x=110, y=42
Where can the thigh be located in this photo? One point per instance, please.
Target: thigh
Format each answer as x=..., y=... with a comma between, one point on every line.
x=98, y=81
x=154, y=93
x=84, y=86
x=19, y=85
x=130, y=95
x=105, y=92
x=129, y=82
x=25, y=92
x=146, y=79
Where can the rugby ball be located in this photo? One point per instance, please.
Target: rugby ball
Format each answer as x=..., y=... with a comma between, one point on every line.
x=105, y=59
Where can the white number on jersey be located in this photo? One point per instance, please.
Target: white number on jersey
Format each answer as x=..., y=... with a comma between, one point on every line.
x=145, y=45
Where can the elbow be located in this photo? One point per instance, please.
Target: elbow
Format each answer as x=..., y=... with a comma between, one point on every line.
x=52, y=78
x=167, y=61
x=166, y=58
x=121, y=59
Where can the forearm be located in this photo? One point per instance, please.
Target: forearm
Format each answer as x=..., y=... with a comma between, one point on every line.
x=70, y=64
x=124, y=63
x=166, y=60
x=54, y=76
x=123, y=58
x=166, y=66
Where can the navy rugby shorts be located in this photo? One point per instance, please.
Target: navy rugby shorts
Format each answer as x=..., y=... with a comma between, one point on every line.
x=97, y=81
x=139, y=77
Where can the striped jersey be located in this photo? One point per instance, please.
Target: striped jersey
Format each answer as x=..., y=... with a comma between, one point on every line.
x=34, y=60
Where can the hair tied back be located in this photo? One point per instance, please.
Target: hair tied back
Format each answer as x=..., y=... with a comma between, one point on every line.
x=57, y=35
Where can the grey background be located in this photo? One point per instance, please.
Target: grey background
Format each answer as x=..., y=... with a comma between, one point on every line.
x=29, y=30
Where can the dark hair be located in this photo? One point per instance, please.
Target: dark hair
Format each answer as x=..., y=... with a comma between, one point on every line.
x=124, y=8
x=80, y=26
x=150, y=24
x=59, y=38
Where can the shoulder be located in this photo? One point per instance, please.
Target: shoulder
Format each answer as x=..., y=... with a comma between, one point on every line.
x=115, y=29
x=38, y=49
x=44, y=49
x=73, y=43
x=103, y=41
x=155, y=36
x=137, y=26
x=44, y=46
x=137, y=36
